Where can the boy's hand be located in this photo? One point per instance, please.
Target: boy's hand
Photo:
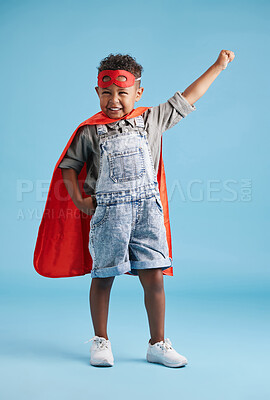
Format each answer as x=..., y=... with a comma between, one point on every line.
x=199, y=87
x=87, y=205
x=225, y=56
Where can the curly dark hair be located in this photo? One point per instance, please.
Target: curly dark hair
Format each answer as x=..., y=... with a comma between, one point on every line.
x=121, y=61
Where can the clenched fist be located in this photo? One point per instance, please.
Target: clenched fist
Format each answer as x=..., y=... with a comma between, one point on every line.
x=87, y=205
x=225, y=56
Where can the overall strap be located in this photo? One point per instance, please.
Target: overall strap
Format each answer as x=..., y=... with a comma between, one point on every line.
x=139, y=122
x=101, y=129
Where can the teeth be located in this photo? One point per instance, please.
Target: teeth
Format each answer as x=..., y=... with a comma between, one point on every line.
x=115, y=109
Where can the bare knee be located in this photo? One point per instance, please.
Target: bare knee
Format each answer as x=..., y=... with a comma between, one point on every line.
x=151, y=279
x=103, y=283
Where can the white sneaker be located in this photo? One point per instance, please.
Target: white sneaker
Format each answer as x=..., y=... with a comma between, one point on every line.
x=101, y=352
x=163, y=353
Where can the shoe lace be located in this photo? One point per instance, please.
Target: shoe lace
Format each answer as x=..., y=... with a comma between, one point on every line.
x=166, y=345
x=100, y=341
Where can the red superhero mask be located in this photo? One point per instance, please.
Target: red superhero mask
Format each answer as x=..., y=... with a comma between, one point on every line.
x=114, y=75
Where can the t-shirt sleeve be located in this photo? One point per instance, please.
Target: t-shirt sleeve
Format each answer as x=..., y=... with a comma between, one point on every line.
x=79, y=150
x=166, y=115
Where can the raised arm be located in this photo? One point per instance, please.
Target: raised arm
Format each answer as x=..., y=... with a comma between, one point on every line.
x=200, y=86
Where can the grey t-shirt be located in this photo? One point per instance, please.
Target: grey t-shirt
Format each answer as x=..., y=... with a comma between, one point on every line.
x=85, y=145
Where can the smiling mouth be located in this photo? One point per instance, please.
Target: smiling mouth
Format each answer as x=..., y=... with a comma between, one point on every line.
x=114, y=109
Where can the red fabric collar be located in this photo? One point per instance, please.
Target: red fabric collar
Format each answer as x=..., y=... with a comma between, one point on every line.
x=102, y=118
x=62, y=245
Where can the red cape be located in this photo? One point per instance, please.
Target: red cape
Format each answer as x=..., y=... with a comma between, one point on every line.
x=63, y=237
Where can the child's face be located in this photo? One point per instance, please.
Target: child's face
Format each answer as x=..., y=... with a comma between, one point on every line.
x=116, y=102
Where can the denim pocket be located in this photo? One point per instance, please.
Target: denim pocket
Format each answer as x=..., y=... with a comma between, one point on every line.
x=100, y=216
x=126, y=165
x=158, y=203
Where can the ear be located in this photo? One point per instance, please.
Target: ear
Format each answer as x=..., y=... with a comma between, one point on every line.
x=139, y=93
x=97, y=90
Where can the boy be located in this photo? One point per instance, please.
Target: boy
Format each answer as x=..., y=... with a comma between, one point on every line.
x=127, y=230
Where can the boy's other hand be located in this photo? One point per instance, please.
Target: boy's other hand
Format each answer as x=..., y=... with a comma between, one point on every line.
x=225, y=56
x=87, y=205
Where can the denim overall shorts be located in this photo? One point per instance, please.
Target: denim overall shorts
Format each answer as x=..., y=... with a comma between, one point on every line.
x=127, y=230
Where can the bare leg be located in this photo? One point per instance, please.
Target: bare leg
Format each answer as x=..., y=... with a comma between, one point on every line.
x=99, y=304
x=154, y=300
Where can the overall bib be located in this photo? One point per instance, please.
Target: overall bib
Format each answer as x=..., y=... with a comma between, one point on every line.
x=127, y=230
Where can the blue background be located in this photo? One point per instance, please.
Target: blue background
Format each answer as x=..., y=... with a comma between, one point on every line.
x=217, y=303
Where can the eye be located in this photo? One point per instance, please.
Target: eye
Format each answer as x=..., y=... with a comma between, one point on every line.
x=122, y=78
x=123, y=92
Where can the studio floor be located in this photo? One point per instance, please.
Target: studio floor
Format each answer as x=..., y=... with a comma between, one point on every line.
x=225, y=337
